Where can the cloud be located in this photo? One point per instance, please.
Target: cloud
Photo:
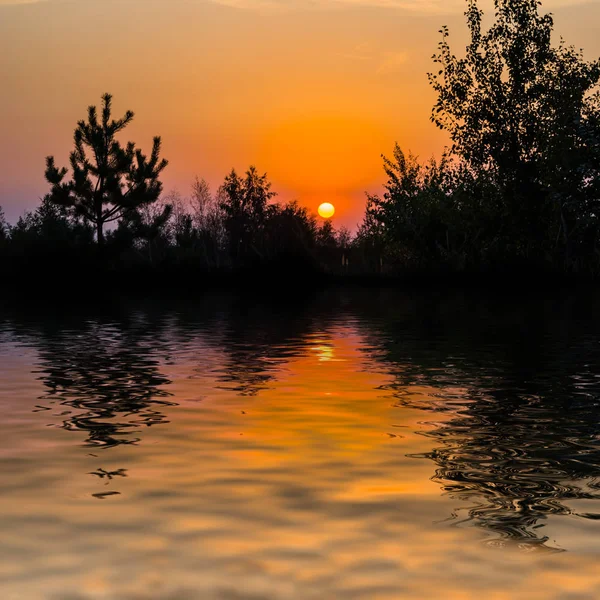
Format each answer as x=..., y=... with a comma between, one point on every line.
x=435, y=7
x=424, y=7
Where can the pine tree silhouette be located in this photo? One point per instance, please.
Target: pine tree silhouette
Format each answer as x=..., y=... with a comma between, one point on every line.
x=108, y=180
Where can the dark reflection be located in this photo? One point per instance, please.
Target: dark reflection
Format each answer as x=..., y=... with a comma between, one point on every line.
x=102, y=378
x=521, y=389
x=254, y=335
x=260, y=338
x=517, y=463
x=108, y=375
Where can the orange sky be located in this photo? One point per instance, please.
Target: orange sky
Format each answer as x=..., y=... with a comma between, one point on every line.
x=310, y=91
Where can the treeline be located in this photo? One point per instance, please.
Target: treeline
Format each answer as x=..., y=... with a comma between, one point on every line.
x=518, y=190
x=234, y=229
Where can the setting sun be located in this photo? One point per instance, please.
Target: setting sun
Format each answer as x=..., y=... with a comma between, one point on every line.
x=326, y=210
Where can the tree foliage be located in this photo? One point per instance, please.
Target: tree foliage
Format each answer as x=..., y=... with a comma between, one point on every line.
x=108, y=181
x=523, y=115
x=4, y=228
x=520, y=184
x=244, y=204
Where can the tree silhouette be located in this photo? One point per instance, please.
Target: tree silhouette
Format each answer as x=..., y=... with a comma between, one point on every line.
x=111, y=180
x=48, y=243
x=526, y=115
x=369, y=240
x=415, y=212
x=326, y=235
x=245, y=203
x=289, y=240
x=147, y=223
x=3, y=226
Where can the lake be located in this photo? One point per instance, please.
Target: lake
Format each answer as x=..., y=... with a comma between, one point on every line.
x=355, y=444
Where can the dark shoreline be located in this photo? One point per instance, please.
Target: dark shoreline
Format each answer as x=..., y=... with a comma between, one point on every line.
x=102, y=285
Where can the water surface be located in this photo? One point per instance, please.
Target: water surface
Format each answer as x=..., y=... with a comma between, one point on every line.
x=350, y=444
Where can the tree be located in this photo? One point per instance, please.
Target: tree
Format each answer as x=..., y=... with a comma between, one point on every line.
x=49, y=244
x=148, y=223
x=326, y=235
x=108, y=180
x=344, y=238
x=369, y=239
x=208, y=219
x=244, y=205
x=201, y=201
x=524, y=115
x=415, y=214
x=50, y=225
x=290, y=232
x=4, y=229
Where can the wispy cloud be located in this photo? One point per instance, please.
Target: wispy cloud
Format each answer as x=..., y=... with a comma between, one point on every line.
x=424, y=7
x=437, y=7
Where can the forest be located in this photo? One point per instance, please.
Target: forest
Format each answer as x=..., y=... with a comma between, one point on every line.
x=517, y=190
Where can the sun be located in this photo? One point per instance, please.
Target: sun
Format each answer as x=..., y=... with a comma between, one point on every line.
x=326, y=210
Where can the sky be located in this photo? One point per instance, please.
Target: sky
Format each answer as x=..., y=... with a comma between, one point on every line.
x=310, y=91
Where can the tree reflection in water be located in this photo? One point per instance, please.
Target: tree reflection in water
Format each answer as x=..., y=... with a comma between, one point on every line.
x=518, y=396
x=107, y=373
x=258, y=340
x=518, y=463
